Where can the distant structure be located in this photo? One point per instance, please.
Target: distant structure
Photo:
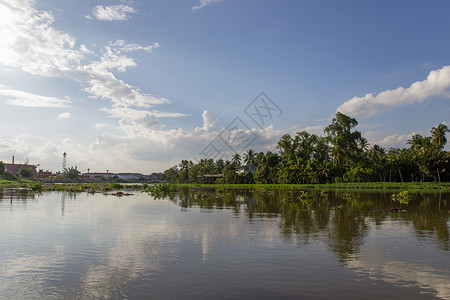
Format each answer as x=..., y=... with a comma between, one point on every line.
x=246, y=169
x=64, y=164
x=14, y=168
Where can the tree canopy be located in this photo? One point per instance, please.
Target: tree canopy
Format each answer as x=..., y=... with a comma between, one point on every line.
x=342, y=154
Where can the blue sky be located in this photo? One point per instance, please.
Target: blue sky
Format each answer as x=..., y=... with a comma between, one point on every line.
x=139, y=85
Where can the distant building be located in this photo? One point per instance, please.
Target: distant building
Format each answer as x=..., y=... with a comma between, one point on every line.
x=246, y=169
x=15, y=168
x=45, y=174
x=97, y=176
x=155, y=177
x=129, y=176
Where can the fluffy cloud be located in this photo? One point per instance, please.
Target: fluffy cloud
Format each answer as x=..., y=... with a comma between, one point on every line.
x=162, y=149
x=64, y=116
x=209, y=121
x=41, y=151
x=384, y=140
x=203, y=3
x=112, y=13
x=437, y=84
x=25, y=99
x=30, y=43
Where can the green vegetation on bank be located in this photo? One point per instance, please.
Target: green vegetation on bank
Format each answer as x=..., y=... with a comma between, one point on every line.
x=156, y=190
x=104, y=187
x=342, y=155
x=9, y=180
x=342, y=185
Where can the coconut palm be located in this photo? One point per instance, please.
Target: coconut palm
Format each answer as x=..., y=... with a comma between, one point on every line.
x=415, y=142
x=236, y=159
x=250, y=157
x=438, y=135
x=363, y=144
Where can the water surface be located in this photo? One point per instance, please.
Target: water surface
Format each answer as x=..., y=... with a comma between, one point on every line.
x=237, y=244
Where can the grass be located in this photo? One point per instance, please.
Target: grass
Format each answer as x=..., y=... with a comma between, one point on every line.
x=163, y=189
x=8, y=180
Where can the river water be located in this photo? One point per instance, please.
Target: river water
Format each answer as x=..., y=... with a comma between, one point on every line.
x=234, y=244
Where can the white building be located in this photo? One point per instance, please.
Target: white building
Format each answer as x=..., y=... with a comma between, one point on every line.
x=246, y=169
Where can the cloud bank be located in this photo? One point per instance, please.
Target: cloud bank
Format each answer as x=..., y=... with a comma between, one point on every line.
x=436, y=84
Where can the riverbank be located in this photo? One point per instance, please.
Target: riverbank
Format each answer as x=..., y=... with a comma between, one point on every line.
x=348, y=185
x=109, y=186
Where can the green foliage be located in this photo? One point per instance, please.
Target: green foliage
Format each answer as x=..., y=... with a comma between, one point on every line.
x=342, y=155
x=71, y=173
x=363, y=171
x=103, y=187
x=403, y=197
x=159, y=190
x=36, y=185
x=7, y=176
x=2, y=168
x=25, y=172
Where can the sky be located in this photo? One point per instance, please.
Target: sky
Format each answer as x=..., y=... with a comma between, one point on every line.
x=137, y=86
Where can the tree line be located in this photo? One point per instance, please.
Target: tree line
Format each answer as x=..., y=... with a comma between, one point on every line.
x=341, y=155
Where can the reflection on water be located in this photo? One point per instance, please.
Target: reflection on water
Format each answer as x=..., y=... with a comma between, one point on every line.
x=231, y=244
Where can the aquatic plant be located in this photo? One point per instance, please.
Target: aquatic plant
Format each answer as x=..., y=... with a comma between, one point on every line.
x=159, y=190
x=403, y=197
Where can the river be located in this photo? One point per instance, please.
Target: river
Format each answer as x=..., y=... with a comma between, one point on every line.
x=229, y=244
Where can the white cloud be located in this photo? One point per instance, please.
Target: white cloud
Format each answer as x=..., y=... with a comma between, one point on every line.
x=64, y=116
x=203, y=3
x=25, y=99
x=41, y=151
x=209, y=121
x=437, y=84
x=100, y=125
x=31, y=44
x=395, y=140
x=112, y=13
x=123, y=46
x=164, y=148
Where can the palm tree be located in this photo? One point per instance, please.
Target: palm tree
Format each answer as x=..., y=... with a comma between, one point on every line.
x=363, y=144
x=415, y=142
x=438, y=135
x=236, y=159
x=71, y=172
x=250, y=157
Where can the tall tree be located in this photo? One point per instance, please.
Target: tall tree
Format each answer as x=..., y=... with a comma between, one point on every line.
x=344, y=141
x=438, y=135
x=236, y=159
x=250, y=157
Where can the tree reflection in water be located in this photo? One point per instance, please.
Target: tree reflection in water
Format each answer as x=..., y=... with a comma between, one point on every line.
x=339, y=217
